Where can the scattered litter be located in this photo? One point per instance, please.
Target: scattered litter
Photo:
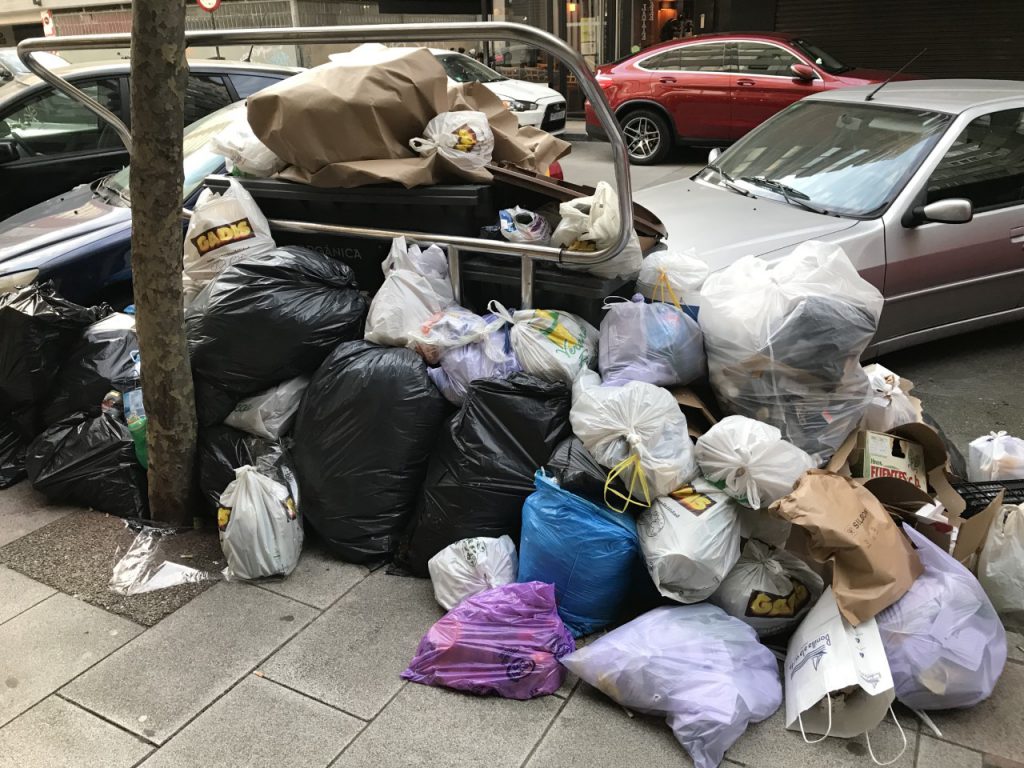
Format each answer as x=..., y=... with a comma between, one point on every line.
x=141, y=570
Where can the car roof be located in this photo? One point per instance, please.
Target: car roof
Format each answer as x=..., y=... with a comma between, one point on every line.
x=951, y=96
x=775, y=38
x=122, y=66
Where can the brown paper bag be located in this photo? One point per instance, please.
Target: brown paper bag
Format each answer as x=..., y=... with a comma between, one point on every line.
x=873, y=564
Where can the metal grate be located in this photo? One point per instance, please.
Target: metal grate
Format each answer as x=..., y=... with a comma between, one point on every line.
x=980, y=495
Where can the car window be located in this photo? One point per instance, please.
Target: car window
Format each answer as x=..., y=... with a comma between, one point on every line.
x=709, y=57
x=764, y=59
x=463, y=69
x=985, y=163
x=247, y=85
x=204, y=94
x=50, y=123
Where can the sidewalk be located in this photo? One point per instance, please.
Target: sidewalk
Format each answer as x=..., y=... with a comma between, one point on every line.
x=305, y=672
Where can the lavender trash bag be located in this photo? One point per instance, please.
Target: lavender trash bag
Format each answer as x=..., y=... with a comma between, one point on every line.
x=702, y=670
x=505, y=641
x=945, y=643
x=486, y=358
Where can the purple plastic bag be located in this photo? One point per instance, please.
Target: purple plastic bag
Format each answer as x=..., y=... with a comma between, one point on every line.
x=505, y=641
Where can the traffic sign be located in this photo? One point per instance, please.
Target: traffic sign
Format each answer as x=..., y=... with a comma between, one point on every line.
x=209, y=5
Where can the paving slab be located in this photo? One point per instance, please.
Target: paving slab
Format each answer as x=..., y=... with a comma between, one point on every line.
x=994, y=725
x=352, y=656
x=19, y=593
x=50, y=644
x=318, y=579
x=158, y=683
x=769, y=745
x=593, y=730
x=932, y=753
x=435, y=727
x=23, y=510
x=1015, y=646
x=57, y=734
x=259, y=724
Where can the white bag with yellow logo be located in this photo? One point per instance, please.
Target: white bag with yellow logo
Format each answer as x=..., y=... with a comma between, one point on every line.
x=550, y=344
x=224, y=228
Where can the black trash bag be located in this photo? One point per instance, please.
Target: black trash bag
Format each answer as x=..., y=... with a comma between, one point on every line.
x=101, y=361
x=363, y=437
x=12, y=455
x=576, y=471
x=88, y=459
x=37, y=327
x=483, y=466
x=272, y=317
x=221, y=450
x=213, y=404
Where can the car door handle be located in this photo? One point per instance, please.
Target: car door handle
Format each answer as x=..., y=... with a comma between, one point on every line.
x=744, y=81
x=666, y=79
x=1017, y=236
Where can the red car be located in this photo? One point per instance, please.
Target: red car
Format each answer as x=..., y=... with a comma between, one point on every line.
x=712, y=89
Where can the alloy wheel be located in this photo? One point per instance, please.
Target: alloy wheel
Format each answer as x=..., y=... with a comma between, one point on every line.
x=643, y=138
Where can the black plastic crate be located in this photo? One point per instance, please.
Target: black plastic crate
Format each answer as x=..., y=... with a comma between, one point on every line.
x=979, y=495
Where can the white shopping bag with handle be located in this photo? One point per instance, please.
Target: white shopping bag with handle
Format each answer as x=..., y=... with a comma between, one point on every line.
x=837, y=676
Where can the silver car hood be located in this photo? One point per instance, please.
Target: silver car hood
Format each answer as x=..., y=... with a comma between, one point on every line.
x=722, y=226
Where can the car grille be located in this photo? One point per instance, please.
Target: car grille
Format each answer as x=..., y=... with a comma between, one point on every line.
x=551, y=123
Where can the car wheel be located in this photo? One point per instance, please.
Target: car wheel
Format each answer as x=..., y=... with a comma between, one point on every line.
x=648, y=138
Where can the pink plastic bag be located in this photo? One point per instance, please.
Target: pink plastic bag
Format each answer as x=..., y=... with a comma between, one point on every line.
x=505, y=641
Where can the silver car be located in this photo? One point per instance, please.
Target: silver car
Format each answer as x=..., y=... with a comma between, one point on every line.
x=921, y=182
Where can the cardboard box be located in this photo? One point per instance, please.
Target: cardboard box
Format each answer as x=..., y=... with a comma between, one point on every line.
x=882, y=455
x=902, y=500
x=699, y=418
x=972, y=533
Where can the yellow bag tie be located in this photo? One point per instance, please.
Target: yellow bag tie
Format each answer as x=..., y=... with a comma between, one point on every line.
x=630, y=462
x=663, y=288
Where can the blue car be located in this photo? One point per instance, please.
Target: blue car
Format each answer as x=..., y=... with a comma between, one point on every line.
x=82, y=239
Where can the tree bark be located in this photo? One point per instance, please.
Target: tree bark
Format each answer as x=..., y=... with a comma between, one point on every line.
x=158, y=82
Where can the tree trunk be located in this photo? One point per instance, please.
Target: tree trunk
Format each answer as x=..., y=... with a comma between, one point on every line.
x=158, y=89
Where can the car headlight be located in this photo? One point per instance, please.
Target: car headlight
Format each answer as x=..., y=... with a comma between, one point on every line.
x=519, y=106
x=17, y=280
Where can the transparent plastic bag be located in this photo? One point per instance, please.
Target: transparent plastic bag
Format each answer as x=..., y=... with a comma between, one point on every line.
x=591, y=224
x=471, y=566
x=995, y=456
x=463, y=138
x=702, y=670
x=271, y=413
x=243, y=152
x=750, y=461
x=1001, y=565
x=452, y=327
x=518, y=225
x=141, y=570
x=551, y=345
x=674, y=277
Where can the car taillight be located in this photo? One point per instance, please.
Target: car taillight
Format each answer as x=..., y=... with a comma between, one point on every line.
x=555, y=171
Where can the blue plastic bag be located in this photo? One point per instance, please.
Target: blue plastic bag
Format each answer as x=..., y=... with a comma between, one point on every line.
x=588, y=553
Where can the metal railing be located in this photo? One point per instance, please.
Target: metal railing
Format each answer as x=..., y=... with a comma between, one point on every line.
x=385, y=33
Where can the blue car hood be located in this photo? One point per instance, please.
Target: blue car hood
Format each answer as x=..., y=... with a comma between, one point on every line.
x=61, y=219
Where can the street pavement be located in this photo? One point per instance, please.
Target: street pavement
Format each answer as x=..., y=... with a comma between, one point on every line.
x=590, y=162
x=305, y=671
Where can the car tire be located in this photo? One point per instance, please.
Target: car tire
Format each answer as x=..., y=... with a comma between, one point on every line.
x=648, y=137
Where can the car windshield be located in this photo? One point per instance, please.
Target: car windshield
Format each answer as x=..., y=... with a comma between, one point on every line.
x=844, y=158
x=825, y=60
x=463, y=69
x=200, y=161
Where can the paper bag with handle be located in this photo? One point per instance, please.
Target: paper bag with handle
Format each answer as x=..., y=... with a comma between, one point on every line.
x=873, y=564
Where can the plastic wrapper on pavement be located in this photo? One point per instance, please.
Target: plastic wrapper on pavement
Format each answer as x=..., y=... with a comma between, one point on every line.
x=481, y=470
x=104, y=359
x=673, y=277
x=995, y=456
x=592, y=223
x=585, y=550
x=656, y=343
x=363, y=437
x=37, y=328
x=12, y=455
x=486, y=358
x=272, y=317
x=1001, y=565
x=770, y=589
x=506, y=641
x=472, y=566
x=636, y=431
x=945, y=644
x=750, y=461
x=784, y=341
x=260, y=527
x=269, y=414
x=88, y=459
x=702, y=670
x=575, y=470
x=221, y=450
x=551, y=345
x=141, y=568
x=690, y=541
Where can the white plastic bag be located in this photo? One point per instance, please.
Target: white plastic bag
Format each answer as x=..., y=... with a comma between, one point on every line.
x=269, y=414
x=416, y=286
x=223, y=229
x=690, y=541
x=672, y=276
x=464, y=138
x=238, y=145
x=750, y=461
x=703, y=671
x=260, y=529
x=636, y=431
x=519, y=225
x=769, y=589
x=890, y=407
x=995, y=456
x=551, y=345
x=1001, y=564
x=452, y=327
x=471, y=566
x=591, y=224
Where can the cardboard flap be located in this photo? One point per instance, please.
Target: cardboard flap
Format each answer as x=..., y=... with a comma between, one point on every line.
x=699, y=418
x=973, y=532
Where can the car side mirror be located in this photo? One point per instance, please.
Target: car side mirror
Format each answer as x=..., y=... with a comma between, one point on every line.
x=954, y=210
x=803, y=72
x=713, y=155
x=8, y=151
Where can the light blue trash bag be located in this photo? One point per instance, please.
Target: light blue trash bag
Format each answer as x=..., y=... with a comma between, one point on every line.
x=588, y=552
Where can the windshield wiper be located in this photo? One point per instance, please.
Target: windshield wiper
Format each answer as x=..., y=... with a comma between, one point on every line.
x=728, y=182
x=789, y=194
x=109, y=188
